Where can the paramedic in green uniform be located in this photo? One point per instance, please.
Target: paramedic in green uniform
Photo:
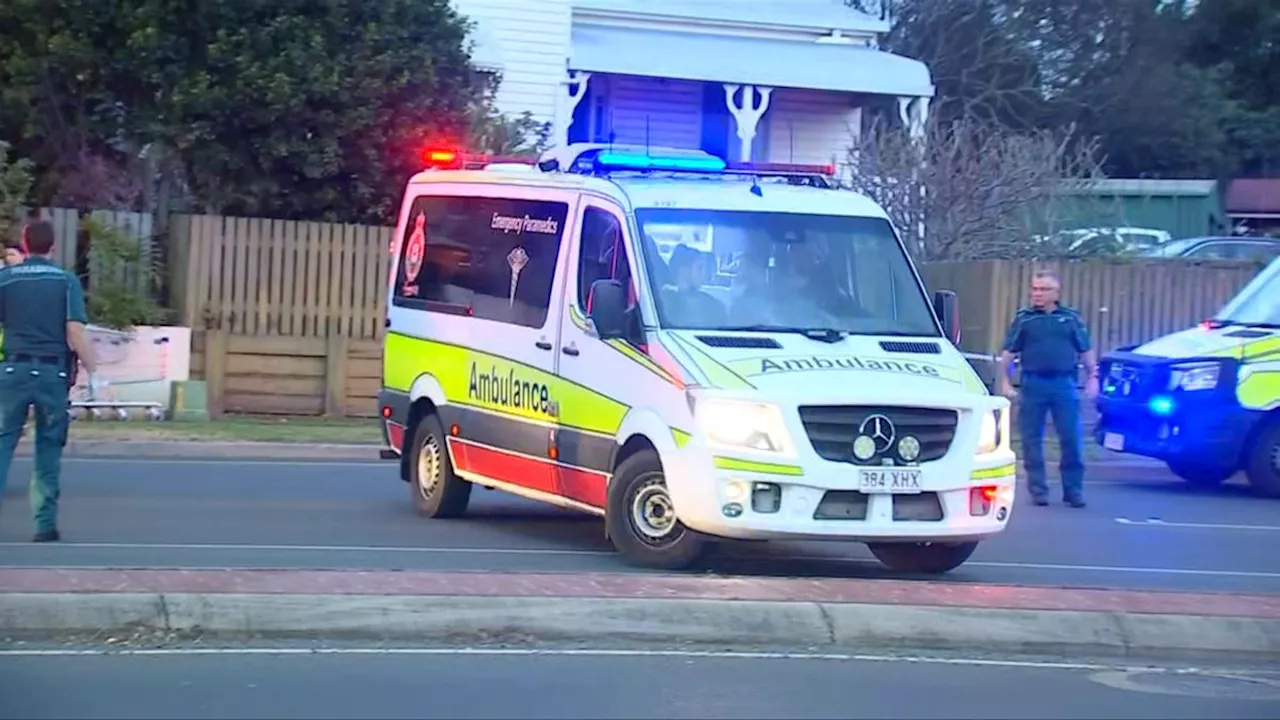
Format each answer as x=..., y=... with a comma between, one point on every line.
x=43, y=314
x=1051, y=342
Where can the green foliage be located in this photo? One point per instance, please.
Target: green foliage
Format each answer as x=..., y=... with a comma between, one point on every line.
x=291, y=109
x=123, y=279
x=15, y=189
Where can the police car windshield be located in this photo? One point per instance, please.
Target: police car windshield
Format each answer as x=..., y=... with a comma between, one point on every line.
x=719, y=269
x=1259, y=305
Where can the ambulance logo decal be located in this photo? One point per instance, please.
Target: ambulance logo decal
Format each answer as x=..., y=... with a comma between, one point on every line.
x=517, y=259
x=417, y=247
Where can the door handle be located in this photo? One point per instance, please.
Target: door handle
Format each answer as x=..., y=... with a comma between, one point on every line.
x=570, y=350
x=543, y=345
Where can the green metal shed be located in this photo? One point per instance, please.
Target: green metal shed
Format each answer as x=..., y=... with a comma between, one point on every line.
x=1184, y=208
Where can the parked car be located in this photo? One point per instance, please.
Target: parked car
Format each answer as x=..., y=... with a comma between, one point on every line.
x=1110, y=241
x=1237, y=247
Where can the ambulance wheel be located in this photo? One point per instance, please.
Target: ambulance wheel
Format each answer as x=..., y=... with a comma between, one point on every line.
x=1264, y=461
x=1203, y=475
x=922, y=558
x=641, y=518
x=436, y=491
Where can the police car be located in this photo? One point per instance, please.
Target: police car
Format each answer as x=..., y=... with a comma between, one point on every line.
x=783, y=375
x=1205, y=400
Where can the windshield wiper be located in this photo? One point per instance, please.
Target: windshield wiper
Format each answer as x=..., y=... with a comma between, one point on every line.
x=829, y=335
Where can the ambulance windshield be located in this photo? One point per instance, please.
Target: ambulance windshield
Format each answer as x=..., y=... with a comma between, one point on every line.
x=725, y=270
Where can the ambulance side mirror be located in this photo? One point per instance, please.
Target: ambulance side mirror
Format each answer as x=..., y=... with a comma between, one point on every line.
x=947, y=305
x=607, y=306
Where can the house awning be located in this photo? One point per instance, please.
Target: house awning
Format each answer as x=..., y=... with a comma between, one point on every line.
x=486, y=53
x=747, y=61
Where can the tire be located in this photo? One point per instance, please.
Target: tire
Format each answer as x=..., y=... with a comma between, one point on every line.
x=1202, y=475
x=922, y=558
x=639, y=485
x=445, y=495
x=1263, y=465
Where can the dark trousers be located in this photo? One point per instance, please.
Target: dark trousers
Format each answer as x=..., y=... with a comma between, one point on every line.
x=1059, y=397
x=44, y=387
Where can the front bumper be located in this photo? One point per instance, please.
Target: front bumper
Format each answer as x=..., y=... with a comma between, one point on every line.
x=821, y=504
x=1140, y=416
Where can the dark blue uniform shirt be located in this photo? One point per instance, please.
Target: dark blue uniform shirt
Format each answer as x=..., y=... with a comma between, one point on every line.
x=37, y=299
x=1048, y=341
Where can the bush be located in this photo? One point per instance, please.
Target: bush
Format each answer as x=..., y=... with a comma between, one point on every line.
x=16, y=181
x=123, y=279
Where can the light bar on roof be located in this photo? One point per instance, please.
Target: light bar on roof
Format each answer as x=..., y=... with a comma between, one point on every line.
x=634, y=161
x=783, y=168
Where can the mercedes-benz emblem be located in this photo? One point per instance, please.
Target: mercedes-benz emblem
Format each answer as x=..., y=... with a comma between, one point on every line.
x=880, y=429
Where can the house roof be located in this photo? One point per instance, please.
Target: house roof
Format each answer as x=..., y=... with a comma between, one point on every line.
x=686, y=55
x=1253, y=196
x=824, y=15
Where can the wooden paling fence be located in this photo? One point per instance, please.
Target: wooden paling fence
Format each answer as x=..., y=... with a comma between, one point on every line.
x=289, y=315
x=258, y=277
x=1124, y=303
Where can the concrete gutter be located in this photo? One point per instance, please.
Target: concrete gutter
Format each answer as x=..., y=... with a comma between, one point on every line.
x=800, y=625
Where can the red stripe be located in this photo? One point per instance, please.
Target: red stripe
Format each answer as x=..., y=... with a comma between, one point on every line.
x=585, y=486
x=493, y=463
x=546, y=476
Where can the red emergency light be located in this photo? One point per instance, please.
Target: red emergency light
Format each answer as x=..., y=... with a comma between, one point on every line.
x=783, y=168
x=448, y=159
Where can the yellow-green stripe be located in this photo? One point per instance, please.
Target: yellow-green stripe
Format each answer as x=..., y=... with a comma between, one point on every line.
x=727, y=463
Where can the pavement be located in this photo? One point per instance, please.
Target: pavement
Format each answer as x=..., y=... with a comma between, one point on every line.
x=428, y=683
x=292, y=546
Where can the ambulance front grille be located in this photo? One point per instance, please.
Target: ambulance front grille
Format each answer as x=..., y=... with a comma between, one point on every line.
x=833, y=428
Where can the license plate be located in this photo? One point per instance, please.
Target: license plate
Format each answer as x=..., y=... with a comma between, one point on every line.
x=889, y=481
x=1113, y=441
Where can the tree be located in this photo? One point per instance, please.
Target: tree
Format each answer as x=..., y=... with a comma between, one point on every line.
x=15, y=189
x=288, y=109
x=975, y=189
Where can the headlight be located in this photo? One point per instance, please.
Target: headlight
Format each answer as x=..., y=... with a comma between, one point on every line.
x=742, y=425
x=1195, y=376
x=989, y=432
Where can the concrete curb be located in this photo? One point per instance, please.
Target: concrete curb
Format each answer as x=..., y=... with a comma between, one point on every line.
x=843, y=626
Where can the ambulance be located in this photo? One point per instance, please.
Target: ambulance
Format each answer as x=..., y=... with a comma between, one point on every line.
x=783, y=376
x=1204, y=400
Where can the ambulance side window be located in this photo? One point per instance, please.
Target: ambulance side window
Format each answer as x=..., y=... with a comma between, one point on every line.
x=490, y=258
x=603, y=256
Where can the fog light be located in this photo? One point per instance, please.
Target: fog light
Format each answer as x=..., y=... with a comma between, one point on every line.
x=766, y=497
x=731, y=510
x=981, y=498
x=735, y=490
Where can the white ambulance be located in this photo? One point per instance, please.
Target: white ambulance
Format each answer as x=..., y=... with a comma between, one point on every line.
x=1204, y=400
x=787, y=378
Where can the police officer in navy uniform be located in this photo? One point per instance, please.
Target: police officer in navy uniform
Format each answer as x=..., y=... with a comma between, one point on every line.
x=43, y=313
x=1051, y=341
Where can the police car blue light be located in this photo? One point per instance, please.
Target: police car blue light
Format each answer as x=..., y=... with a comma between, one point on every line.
x=1161, y=406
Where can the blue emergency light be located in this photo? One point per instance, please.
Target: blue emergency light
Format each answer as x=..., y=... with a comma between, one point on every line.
x=631, y=161
x=1161, y=406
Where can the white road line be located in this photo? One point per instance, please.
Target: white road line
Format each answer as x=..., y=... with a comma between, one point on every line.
x=1158, y=523
x=588, y=652
x=50, y=549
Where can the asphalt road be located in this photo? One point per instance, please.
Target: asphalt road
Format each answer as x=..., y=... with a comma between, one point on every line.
x=1141, y=533
x=652, y=685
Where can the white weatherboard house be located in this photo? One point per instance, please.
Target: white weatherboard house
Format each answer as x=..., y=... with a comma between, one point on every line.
x=779, y=81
